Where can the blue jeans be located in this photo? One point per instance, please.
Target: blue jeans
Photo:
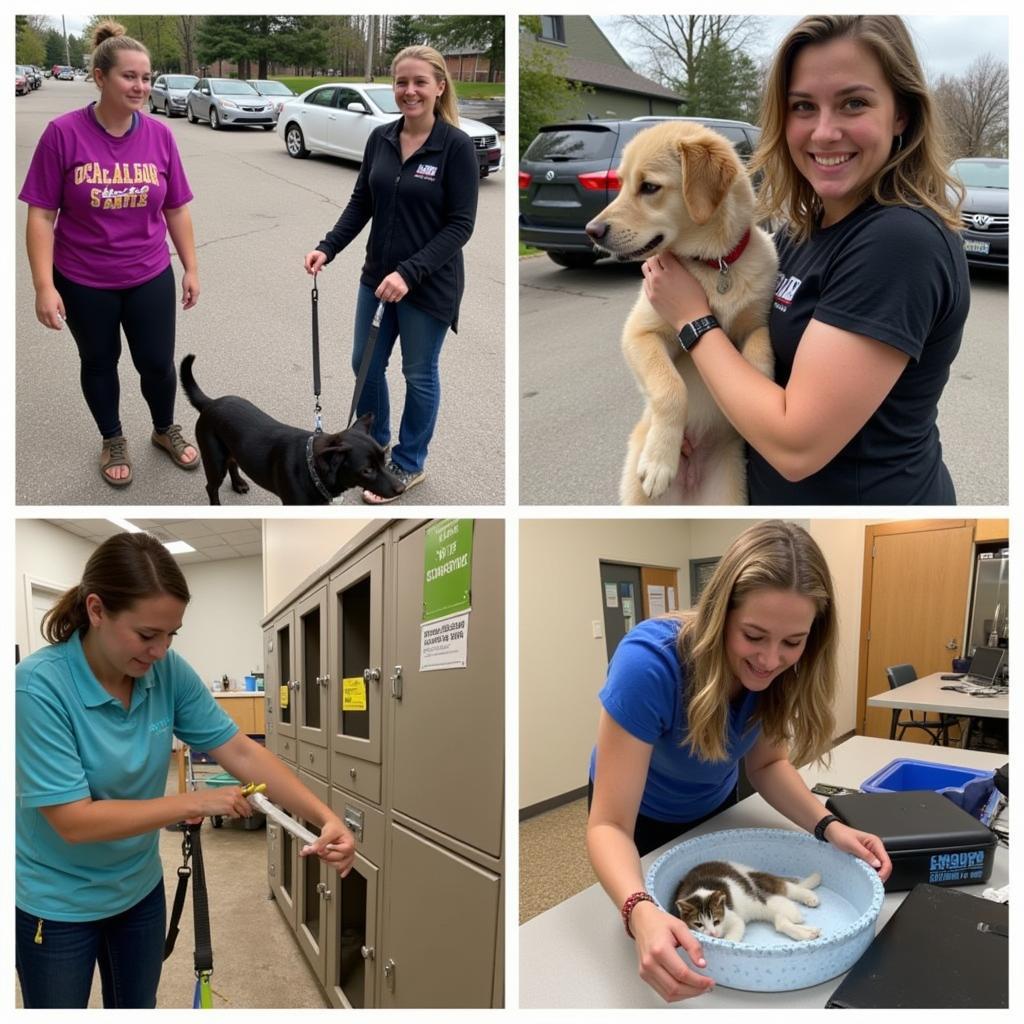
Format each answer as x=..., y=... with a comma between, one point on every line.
x=57, y=972
x=421, y=338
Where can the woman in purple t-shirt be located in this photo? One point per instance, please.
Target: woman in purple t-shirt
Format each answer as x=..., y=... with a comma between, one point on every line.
x=104, y=189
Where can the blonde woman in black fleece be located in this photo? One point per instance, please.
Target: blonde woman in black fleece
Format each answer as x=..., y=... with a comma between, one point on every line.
x=418, y=185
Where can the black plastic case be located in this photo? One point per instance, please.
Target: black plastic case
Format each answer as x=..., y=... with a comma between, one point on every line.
x=928, y=838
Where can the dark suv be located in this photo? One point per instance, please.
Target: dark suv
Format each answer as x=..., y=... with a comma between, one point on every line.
x=568, y=175
x=986, y=210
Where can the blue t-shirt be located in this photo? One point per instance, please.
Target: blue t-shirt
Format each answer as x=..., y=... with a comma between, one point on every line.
x=644, y=694
x=74, y=740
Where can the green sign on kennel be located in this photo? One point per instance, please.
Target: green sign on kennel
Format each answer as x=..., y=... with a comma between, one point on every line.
x=447, y=568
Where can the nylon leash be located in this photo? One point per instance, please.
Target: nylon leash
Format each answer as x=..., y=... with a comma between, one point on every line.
x=318, y=424
x=191, y=850
x=364, y=363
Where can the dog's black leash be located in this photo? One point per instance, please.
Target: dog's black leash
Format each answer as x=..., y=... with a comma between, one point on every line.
x=191, y=849
x=318, y=424
x=364, y=370
x=364, y=364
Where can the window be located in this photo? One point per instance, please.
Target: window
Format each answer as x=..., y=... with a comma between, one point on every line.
x=322, y=98
x=552, y=28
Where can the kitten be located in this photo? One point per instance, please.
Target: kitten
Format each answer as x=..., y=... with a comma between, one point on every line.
x=719, y=898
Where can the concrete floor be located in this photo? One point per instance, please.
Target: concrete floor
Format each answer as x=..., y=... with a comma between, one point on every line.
x=256, y=960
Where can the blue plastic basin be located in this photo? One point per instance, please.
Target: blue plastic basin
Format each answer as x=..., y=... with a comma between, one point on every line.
x=968, y=788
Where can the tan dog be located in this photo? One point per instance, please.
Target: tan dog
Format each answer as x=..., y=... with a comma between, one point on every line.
x=684, y=190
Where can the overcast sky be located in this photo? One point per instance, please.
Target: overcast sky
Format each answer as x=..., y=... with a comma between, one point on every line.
x=945, y=45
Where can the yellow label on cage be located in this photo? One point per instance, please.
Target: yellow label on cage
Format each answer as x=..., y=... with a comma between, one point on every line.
x=284, y=696
x=353, y=694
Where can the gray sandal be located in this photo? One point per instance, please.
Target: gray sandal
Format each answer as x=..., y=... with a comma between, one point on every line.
x=173, y=442
x=115, y=453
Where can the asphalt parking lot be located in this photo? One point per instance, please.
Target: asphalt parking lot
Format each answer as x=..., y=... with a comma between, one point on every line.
x=256, y=212
x=578, y=399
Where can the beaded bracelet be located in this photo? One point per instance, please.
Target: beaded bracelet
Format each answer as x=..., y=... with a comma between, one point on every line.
x=627, y=908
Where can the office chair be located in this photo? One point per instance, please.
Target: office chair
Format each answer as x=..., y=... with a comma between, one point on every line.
x=899, y=675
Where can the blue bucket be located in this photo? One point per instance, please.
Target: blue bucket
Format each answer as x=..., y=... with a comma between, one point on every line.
x=968, y=788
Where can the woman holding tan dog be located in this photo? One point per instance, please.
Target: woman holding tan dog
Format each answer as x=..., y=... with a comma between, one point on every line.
x=749, y=673
x=873, y=289
x=105, y=188
x=418, y=185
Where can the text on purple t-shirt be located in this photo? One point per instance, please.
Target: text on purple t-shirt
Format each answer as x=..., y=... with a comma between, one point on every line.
x=110, y=194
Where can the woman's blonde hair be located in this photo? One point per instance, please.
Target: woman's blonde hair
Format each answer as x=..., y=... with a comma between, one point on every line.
x=446, y=105
x=124, y=569
x=915, y=173
x=796, y=709
x=108, y=40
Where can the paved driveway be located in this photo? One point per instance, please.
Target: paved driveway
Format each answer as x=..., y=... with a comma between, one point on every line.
x=578, y=399
x=257, y=212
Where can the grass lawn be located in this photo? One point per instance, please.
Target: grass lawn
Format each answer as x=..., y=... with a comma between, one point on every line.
x=525, y=250
x=465, y=90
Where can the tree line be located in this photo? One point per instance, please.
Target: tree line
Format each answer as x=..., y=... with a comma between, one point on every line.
x=709, y=60
x=341, y=45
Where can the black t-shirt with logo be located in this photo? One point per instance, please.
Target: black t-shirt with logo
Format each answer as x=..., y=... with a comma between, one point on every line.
x=898, y=275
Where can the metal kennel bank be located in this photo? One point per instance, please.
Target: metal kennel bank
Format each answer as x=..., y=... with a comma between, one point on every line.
x=412, y=760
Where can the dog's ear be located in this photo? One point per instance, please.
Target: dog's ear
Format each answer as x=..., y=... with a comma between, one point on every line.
x=708, y=174
x=365, y=422
x=335, y=443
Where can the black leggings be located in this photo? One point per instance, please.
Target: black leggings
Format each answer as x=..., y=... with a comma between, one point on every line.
x=649, y=833
x=95, y=317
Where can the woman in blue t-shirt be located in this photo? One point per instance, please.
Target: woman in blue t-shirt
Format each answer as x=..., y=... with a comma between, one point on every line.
x=873, y=289
x=749, y=673
x=94, y=717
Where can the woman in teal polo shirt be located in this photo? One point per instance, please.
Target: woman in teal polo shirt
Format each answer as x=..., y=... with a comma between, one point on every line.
x=750, y=672
x=95, y=714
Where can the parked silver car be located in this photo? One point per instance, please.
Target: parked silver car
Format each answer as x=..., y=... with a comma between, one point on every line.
x=228, y=101
x=277, y=92
x=169, y=93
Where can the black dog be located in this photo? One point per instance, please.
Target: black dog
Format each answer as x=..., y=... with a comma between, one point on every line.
x=299, y=466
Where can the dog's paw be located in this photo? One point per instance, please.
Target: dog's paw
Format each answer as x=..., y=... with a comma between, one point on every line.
x=810, y=900
x=240, y=488
x=658, y=464
x=804, y=934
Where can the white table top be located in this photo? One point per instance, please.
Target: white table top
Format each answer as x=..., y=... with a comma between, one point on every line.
x=926, y=694
x=577, y=954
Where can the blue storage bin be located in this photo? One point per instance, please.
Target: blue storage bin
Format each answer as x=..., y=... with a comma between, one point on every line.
x=968, y=788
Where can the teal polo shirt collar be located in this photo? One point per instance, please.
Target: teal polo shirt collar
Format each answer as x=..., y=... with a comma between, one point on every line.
x=91, y=691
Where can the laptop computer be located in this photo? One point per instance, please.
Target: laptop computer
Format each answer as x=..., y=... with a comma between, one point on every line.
x=985, y=666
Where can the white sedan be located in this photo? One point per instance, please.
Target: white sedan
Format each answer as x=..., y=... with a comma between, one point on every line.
x=337, y=119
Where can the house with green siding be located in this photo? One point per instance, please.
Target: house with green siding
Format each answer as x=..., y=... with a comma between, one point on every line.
x=614, y=89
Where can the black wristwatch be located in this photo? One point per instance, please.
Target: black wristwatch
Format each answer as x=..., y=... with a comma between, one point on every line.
x=695, y=330
x=819, y=829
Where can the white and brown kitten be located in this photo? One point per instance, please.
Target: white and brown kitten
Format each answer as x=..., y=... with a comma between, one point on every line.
x=719, y=898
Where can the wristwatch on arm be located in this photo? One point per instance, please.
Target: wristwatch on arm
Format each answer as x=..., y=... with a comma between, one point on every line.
x=695, y=330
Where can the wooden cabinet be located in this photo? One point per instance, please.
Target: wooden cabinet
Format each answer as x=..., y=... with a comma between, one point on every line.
x=244, y=710
x=991, y=530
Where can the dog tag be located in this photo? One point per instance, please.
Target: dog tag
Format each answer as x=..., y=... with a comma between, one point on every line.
x=724, y=282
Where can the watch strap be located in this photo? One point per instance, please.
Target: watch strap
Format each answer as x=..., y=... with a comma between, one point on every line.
x=819, y=829
x=695, y=330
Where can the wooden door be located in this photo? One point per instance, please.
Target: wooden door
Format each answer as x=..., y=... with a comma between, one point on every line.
x=916, y=581
x=660, y=589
